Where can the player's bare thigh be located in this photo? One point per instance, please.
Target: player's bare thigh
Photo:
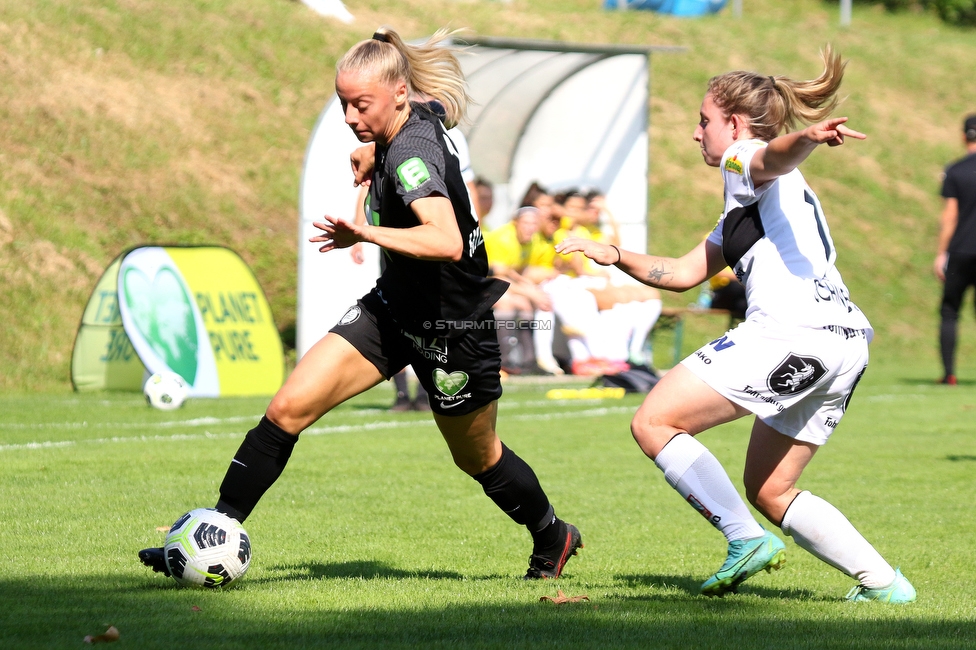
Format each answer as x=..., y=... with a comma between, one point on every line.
x=471, y=438
x=680, y=402
x=331, y=372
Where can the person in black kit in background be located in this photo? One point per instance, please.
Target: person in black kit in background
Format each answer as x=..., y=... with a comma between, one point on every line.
x=955, y=261
x=433, y=288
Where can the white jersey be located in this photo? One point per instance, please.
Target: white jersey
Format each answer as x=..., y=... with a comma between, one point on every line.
x=775, y=239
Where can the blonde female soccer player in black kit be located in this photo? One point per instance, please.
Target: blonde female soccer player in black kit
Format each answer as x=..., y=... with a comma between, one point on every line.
x=431, y=307
x=796, y=359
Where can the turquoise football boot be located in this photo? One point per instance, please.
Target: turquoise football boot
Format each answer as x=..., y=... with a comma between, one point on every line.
x=746, y=558
x=898, y=592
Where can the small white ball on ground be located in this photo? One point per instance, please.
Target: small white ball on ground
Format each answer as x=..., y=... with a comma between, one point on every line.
x=165, y=390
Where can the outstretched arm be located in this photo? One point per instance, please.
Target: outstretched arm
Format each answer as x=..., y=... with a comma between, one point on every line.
x=673, y=274
x=436, y=237
x=786, y=152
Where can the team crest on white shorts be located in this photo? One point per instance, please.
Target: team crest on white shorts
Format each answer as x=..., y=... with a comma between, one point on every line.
x=795, y=374
x=350, y=316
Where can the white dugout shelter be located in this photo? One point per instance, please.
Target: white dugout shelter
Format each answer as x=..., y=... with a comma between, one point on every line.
x=561, y=114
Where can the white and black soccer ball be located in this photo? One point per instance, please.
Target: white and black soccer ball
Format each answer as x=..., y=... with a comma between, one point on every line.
x=165, y=390
x=206, y=548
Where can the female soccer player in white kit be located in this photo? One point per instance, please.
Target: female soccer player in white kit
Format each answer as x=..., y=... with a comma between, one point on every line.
x=796, y=359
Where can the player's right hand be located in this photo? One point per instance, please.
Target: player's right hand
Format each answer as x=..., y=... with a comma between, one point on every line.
x=602, y=254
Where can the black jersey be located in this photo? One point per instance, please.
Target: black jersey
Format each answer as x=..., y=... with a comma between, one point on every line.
x=428, y=298
x=960, y=184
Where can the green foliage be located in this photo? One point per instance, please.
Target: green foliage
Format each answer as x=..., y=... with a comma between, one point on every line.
x=372, y=538
x=954, y=12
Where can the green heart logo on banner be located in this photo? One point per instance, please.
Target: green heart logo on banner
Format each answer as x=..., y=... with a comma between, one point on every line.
x=163, y=313
x=450, y=384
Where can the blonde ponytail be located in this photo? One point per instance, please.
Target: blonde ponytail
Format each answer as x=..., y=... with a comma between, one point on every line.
x=773, y=104
x=428, y=69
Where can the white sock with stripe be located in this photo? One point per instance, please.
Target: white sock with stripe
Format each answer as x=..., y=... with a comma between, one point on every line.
x=824, y=531
x=701, y=480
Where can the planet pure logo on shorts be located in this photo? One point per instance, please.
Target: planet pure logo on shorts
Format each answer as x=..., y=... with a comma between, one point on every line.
x=350, y=316
x=795, y=374
x=413, y=173
x=450, y=384
x=734, y=165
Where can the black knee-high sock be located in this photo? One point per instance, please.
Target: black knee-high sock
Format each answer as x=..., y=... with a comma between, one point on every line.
x=514, y=488
x=256, y=466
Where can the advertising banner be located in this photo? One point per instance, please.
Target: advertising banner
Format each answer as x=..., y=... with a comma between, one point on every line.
x=103, y=357
x=195, y=311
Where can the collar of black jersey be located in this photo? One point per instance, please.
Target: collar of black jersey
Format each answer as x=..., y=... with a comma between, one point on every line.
x=432, y=107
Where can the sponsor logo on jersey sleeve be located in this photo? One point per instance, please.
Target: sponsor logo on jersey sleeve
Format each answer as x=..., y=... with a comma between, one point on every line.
x=734, y=165
x=413, y=173
x=795, y=374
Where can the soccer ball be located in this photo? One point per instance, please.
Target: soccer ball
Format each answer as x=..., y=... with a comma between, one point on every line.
x=206, y=548
x=165, y=390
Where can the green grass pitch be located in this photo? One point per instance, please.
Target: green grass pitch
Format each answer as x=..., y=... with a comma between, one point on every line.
x=373, y=539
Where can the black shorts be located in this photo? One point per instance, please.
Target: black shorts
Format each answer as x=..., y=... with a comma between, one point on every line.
x=460, y=374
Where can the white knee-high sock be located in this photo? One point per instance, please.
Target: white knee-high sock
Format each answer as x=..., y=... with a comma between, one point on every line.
x=578, y=350
x=542, y=338
x=820, y=528
x=609, y=340
x=701, y=480
x=646, y=314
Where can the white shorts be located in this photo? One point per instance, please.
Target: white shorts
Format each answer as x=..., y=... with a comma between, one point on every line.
x=797, y=380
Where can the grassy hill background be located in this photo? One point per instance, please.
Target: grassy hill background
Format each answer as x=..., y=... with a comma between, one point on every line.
x=131, y=121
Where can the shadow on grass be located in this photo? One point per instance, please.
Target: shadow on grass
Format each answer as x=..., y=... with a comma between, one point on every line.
x=662, y=587
x=959, y=457
x=57, y=612
x=933, y=381
x=364, y=569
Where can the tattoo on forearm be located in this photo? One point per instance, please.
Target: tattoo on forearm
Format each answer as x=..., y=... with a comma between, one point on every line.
x=658, y=273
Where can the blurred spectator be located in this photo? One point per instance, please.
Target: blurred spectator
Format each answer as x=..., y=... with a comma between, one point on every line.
x=599, y=219
x=607, y=323
x=509, y=249
x=484, y=197
x=955, y=261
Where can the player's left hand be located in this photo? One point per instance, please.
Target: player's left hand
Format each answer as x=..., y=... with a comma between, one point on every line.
x=832, y=132
x=337, y=233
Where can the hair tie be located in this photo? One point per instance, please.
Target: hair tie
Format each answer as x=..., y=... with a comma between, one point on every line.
x=770, y=78
x=380, y=36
